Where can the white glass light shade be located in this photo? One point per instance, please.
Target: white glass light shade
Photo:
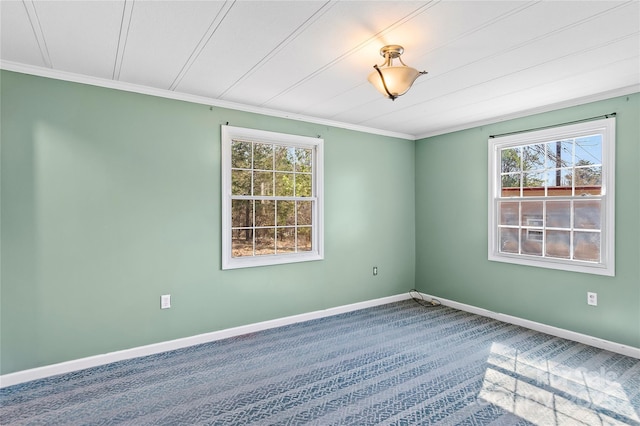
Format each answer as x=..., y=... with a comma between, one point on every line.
x=398, y=79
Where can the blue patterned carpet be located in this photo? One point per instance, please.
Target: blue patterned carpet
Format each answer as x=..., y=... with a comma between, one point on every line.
x=396, y=364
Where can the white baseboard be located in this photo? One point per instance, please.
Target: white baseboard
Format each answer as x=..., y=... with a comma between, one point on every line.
x=543, y=328
x=97, y=360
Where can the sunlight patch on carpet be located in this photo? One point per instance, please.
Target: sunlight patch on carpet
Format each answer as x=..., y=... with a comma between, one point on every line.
x=545, y=392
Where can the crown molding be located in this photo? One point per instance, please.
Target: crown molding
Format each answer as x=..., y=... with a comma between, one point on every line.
x=170, y=94
x=203, y=100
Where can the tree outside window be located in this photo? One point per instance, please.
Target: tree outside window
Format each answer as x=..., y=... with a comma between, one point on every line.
x=273, y=196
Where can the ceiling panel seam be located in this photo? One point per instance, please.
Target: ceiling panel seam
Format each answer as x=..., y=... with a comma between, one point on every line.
x=510, y=95
x=351, y=51
x=213, y=27
x=482, y=26
x=125, y=26
x=533, y=87
x=294, y=34
x=533, y=40
x=38, y=33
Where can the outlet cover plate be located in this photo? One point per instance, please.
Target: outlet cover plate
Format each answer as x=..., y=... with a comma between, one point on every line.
x=165, y=301
x=592, y=298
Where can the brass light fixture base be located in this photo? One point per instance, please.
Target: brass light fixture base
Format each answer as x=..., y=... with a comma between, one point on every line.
x=392, y=50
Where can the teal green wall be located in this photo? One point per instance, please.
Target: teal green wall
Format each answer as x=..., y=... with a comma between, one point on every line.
x=110, y=199
x=451, y=232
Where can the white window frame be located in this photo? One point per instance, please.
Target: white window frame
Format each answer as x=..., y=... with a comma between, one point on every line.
x=230, y=133
x=605, y=127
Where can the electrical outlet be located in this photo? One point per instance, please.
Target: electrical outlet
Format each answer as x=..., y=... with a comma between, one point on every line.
x=592, y=299
x=375, y=270
x=165, y=301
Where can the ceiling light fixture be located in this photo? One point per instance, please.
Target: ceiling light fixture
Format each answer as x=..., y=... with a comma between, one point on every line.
x=393, y=81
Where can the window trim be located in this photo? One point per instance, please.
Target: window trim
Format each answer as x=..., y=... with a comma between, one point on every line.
x=228, y=133
x=605, y=127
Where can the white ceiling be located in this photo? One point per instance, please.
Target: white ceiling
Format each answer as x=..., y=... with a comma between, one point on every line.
x=487, y=60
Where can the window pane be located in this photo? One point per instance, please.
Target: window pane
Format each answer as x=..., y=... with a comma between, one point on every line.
x=303, y=185
x=263, y=156
x=589, y=150
x=304, y=212
x=532, y=214
x=509, y=213
x=586, y=246
x=240, y=182
x=304, y=159
x=587, y=214
x=510, y=185
x=558, y=244
x=263, y=184
x=533, y=184
x=534, y=235
x=559, y=154
x=240, y=155
x=241, y=242
x=588, y=180
x=286, y=241
x=265, y=213
x=285, y=158
x=265, y=241
x=286, y=213
x=284, y=184
x=533, y=157
x=558, y=214
x=304, y=238
x=509, y=240
x=510, y=160
x=241, y=213
x=531, y=245
x=559, y=182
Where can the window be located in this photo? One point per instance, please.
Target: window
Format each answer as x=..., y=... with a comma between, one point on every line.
x=271, y=198
x=551, y=200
